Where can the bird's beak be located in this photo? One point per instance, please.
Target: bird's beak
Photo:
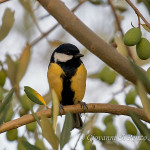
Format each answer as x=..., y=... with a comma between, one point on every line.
x=78, y=55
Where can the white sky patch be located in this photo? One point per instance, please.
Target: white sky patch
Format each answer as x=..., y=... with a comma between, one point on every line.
x=62, y=57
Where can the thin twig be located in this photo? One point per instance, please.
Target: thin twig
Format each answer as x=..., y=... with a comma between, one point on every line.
x=139, y=22
x=119, y=26
x=138, y=13
x=43, y=35
x=120, y=90
x=116, y=17
x=92, y=108
x=55, y=26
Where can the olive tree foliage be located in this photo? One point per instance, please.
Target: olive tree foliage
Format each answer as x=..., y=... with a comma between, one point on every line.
x=28, y=35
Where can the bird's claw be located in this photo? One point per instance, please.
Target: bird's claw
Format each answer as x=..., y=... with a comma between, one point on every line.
x=83, y=105
x=61, y=107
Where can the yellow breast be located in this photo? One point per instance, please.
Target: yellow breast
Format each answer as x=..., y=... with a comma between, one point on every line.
x=78, y=83
x=54, y=78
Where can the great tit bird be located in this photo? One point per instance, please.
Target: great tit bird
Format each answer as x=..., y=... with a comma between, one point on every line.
x=67, y=76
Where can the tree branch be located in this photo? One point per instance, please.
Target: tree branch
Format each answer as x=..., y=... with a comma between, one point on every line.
x=92, y=108
x=89, y=39
x=138, y=13
x=3, y=1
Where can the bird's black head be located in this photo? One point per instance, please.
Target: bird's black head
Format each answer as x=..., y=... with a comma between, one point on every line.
x=66, y=52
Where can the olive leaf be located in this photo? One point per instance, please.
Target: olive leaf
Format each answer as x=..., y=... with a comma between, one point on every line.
x=7, y=23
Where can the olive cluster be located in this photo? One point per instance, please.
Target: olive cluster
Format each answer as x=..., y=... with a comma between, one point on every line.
x=134, y=37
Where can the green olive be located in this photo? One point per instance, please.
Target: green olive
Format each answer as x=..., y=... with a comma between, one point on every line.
x=110, y=130
x=143, y=49
x=130, y=128
x=132, y=37
x=26, y=102
x=143, y=145
x=31, y=126
x=12, y=134
x=97, y=132
x=108, y=119
x=108, y=75
x=130, y=97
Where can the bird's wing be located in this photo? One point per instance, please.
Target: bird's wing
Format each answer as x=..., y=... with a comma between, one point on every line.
x=78, y=83
x=54, y=78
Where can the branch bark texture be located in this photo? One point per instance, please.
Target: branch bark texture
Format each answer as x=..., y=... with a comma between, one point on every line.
x=92, y=108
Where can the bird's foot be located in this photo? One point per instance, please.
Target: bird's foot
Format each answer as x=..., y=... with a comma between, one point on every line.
x=83, y=105
x=61, y=108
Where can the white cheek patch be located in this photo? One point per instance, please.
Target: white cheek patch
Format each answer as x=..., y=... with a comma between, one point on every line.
x=62, y=57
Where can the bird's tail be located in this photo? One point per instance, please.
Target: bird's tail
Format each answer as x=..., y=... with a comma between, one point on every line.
x=77, y=121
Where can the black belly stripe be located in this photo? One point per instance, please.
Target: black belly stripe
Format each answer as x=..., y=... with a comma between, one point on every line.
x=67, y=93
x=70, y=69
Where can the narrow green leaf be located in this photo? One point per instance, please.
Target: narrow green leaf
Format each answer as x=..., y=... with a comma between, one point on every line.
x=29, y=8
x=148, y=73
x=48, y=132
x=34, y=96
x=141, y=75
x=140, y=125
x=145, y=27
x=1, y=93
x=35, y=116
x=2, y=78
x=65, y=135
x=39, y=143
x=7, y=23
x=29, y=146
x=12, y=68
x=47, y=98
x=27, y=5
x=144, y=99
x=20, y=145
x=6, y=100
x=96, y=2
x=4, y=113
x=23, y=63
x=94, y=76
x=55, y=110
x=9, y=113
